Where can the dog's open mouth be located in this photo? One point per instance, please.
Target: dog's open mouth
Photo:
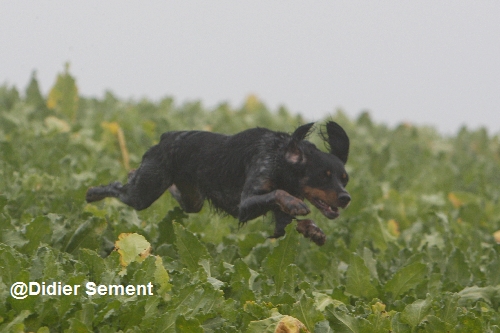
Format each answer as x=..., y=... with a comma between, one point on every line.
x=329, y=211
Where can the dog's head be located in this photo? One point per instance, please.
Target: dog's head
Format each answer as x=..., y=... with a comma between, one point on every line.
x=325, y=177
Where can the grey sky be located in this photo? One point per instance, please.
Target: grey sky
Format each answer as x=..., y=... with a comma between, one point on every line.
x=426, y=62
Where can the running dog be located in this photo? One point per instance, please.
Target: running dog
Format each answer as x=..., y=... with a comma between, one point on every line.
x=245, y=175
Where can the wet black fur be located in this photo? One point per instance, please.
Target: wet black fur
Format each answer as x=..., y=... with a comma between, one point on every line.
x=244, y=175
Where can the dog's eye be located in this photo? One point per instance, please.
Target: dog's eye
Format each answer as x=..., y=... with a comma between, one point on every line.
x=345, y=178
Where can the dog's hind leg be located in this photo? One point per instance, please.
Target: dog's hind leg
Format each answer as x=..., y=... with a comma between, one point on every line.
x=145, y=185
x=189, y=197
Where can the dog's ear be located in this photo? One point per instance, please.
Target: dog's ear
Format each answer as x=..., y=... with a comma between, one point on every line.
x=337, y=140
x=294, y=153
x=302, y=132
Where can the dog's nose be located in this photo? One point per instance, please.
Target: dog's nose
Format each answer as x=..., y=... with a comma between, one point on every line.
x=344, y=200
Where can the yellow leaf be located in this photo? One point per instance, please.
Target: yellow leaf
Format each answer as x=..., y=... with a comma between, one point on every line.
x=132, y=247
x=116, y=130
x=455, y=201
x=393, y=227
x=63, y=97
x=252, y=102
x=496, y=236
x=112, y=127
x=289, y=324
x=54, y=123
x=161, y=276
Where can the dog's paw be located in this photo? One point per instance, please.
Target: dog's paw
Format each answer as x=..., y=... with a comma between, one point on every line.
x=94, y=194
x=296, y=207
x=100, y=192
x=310, y=230
x=291, y=205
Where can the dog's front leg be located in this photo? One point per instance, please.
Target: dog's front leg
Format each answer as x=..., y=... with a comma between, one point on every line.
x=310, y=230
x=256, y=205
x=282, y=220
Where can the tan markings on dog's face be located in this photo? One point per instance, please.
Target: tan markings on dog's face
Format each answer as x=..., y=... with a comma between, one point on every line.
x=328, y=197
x=325, y=201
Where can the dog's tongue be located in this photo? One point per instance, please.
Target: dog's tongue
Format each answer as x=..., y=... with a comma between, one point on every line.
x=329, y=212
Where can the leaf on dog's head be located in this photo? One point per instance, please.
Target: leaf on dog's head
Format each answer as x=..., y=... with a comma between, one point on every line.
x=132, y=247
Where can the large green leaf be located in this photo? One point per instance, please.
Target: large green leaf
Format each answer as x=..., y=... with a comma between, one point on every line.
x=39, y=230
x=406, y=278
x=358, y=279
x=263, y=326
x=11, y=264
x=191, y=250
x=457, y=269
x=305, y=311
x=282, y=255
x=347, y=323
x=183, y=325
x=87, y=234
x=414, y=313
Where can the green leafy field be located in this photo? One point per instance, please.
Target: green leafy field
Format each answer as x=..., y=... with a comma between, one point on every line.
x=414, y=252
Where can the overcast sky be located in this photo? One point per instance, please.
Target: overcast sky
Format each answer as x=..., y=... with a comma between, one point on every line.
x=425, y=62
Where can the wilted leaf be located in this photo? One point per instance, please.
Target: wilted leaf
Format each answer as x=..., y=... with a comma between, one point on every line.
x=116, y=130
x=496, y=236
x=393, y=227
x=380, y=319
x=289, y=324
x=455, y=200
x=458, y=199
x=132, y=247
x=161, y=277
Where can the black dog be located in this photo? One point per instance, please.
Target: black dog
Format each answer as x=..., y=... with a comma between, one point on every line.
x=245, y=175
